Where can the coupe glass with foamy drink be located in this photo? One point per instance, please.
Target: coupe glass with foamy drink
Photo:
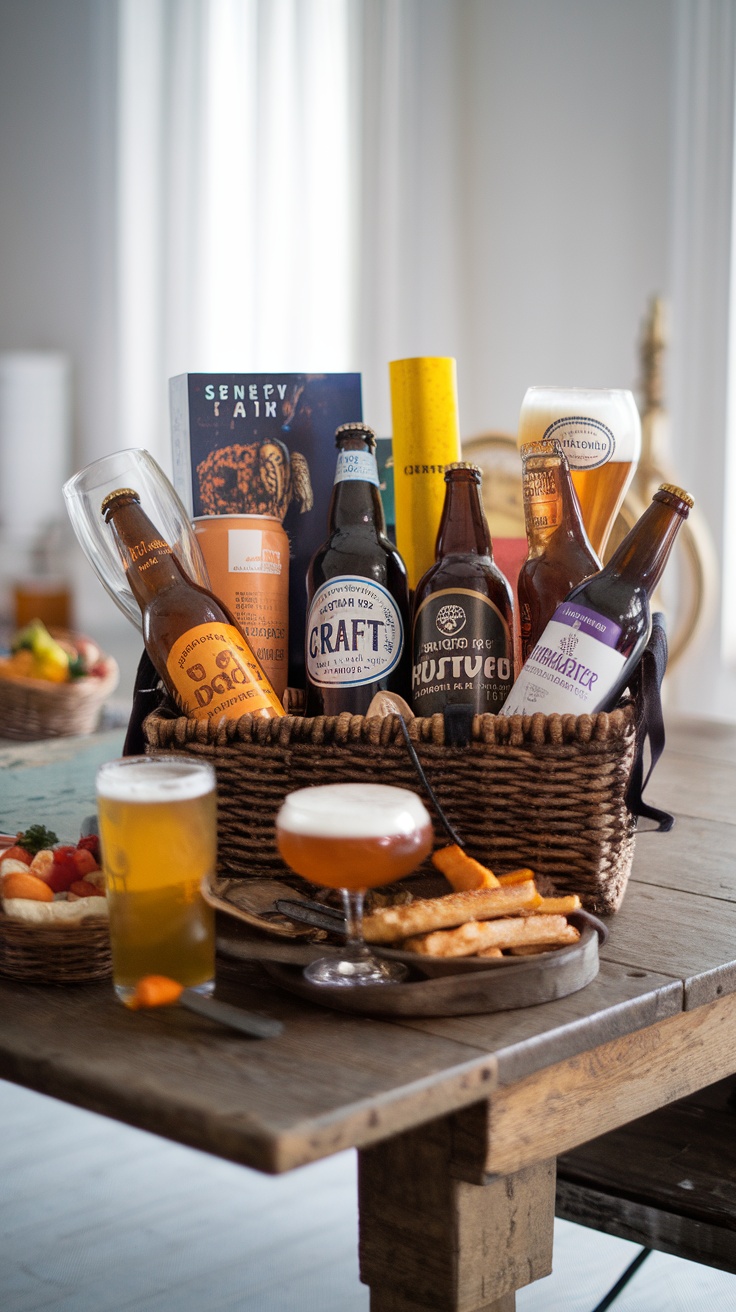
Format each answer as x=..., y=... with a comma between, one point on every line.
x=353, y=837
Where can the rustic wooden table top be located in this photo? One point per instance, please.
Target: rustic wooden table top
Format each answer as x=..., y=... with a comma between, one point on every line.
x=332, y=1081
x=657, y=1022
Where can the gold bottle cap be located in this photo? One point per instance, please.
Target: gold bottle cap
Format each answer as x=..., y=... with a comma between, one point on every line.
x=546, y=446
x=355, y=429
x=119, y=492
x=463, y=464
x=677, y=492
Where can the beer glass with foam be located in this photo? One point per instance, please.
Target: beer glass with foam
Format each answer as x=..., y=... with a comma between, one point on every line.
x=158, y=836
x=353, y=837
x=600, y=432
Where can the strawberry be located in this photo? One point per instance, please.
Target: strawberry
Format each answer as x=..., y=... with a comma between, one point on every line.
x=83, y=889
x=90, y=844
x=18, y=854
x=63, y=872
x=84, y=861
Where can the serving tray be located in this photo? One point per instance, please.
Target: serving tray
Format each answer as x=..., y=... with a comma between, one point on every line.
x=436, y=986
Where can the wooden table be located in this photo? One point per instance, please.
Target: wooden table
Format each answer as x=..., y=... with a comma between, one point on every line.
x=457, y=1121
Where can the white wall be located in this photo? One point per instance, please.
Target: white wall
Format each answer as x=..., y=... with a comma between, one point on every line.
x=521, y=195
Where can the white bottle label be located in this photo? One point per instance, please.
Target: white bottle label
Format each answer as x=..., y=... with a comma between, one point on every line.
x=356, y=465
x=572, y=668
x=355, y=634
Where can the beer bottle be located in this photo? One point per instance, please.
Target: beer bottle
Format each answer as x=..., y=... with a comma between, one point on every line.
x=201, y=656
x=583, y=660
x=560, y=554
x=357, y=592
x=462, y=640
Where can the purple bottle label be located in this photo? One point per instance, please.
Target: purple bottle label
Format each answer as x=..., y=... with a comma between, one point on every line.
x=572, y=668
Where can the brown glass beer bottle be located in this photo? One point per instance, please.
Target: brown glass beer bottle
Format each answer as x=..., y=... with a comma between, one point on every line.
x=560, y=555
x=584, y=658
x=357, y=592
x=462, y=639
x=193, y=642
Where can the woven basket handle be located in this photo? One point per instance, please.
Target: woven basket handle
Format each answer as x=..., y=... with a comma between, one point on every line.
x=646, y=685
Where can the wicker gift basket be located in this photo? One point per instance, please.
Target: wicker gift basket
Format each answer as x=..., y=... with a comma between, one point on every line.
x=549, y=792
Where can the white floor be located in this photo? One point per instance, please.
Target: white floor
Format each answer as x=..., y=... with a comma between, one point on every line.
x=96, y=1217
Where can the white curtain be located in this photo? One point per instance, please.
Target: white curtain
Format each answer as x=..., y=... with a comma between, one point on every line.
x=332, y=184
x=237, y=195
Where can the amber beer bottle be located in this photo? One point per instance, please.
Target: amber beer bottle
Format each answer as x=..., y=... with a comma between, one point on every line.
x=560, y=555
x=202, y=657
x=462, y=641
x=357, y=592
x=584, y=658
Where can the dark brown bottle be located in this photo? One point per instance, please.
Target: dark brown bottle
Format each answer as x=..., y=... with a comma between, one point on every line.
x=584, y=658
x=192, y=640
x=357, y=592
x=462, y=640
x=560, y=555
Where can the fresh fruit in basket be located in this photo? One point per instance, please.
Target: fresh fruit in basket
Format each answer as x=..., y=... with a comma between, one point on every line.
x=37, y=654
x=43, y=883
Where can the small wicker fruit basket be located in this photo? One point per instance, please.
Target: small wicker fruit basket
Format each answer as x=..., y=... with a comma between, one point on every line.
x=55, y=954
x=32, y=709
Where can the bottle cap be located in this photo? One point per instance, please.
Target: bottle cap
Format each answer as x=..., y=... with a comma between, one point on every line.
x=677, y=492
x=546, y=446
x=463, y=464
x=113, y=496
x=355, y=430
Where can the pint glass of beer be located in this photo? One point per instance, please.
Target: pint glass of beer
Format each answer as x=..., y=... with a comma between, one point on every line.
x=600, y=432
x=158, y=837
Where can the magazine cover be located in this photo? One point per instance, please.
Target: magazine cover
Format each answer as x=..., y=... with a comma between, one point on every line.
x=264, y=444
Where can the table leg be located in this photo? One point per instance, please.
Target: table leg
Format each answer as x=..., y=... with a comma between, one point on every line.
x=432, y=1241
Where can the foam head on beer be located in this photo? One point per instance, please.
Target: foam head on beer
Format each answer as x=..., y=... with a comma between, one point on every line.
x=168, y=782
x=353, y=811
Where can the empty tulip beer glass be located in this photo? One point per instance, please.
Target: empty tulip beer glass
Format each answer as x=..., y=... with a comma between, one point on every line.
x=353, y=837
x=158, y=837
x=600, y=433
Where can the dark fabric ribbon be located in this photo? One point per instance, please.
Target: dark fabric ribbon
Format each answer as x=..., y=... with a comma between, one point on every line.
x=147, y=697
x=646, y=686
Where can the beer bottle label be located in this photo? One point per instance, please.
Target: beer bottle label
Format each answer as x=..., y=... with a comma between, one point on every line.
x=572, y=668
x=542, y=496
x=462, y=652
x=214, y=674
x=360, y=465
x=355, y=634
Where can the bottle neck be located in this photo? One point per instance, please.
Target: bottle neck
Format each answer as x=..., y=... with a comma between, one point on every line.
x=641, y=558
x=463, y=527
x=150, y=565
x=550, y=503
x=355, y=496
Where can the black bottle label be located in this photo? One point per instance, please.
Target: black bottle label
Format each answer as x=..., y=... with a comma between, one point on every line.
x=462, y=652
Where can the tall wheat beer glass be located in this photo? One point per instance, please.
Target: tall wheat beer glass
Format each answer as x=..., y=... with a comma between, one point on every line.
x=600, y=433
x=158, y=837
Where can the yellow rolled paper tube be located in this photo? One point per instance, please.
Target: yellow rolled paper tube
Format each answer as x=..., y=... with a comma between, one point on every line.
x=426, y=438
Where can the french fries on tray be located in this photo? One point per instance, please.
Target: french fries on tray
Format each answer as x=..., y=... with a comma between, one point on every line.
x=483, y=916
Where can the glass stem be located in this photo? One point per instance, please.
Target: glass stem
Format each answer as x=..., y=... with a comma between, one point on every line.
x=353, y=903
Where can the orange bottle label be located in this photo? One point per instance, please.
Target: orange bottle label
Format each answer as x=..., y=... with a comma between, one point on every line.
x=215, y=674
